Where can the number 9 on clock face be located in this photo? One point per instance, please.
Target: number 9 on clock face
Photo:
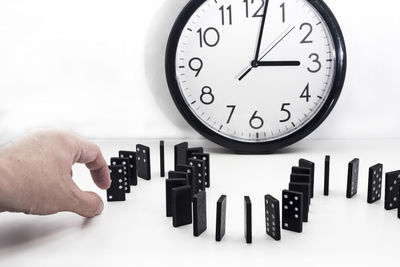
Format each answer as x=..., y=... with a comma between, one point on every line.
x=255, y=75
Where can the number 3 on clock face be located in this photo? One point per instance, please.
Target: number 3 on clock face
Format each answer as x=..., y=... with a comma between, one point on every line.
x=255, y=75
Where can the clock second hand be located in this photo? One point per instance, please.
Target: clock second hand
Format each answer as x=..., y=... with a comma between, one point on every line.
x=269, y=49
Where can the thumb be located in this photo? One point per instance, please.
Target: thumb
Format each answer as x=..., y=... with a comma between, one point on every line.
x=87, y=204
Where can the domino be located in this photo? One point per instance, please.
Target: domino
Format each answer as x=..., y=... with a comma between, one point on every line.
x=143, y=162
x=178, y=175
x=352, y=178
x=198, y=175
x=302, y=178
x=181, y=206
x=392, y=189
x=221, y=218
x=305, y=190
x=272, y=217
x=180, y=153
x=292, y=211
x=191, y=151
x=303, y=163
x=162, y=159
x=199, y=213
x=116, y=192
x=300, y=170
x=206, y=158
x=169, y=185
x=247, y=220
x=132, y=165
x=125, y=165
x=375, y=183
x=189, y=170
x=326, y=175
x=398, y=213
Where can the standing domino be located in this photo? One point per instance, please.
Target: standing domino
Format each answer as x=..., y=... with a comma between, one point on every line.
x=125, y=163
x=392, y=188
x=181, y=206
x=132, y=165
x=272, y=217
x=375, y=183
x=326, y=175
x=292, y=211
x=180, y=153
x=143, y=162
x=199, y=213
x=221, y=218
x=116, y=192
x=303, y=163
x=352, y=178
x=162, y=159
x=248, y=232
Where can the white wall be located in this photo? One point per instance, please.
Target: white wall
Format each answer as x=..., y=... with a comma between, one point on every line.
x=97, y=67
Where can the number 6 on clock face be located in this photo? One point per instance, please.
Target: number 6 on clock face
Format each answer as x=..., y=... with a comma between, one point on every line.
x=255, y=75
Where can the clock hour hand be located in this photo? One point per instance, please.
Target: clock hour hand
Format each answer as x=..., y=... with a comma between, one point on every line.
x=277, y=63
x=261, y=33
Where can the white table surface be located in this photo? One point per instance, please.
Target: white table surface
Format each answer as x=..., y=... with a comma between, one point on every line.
x=137, y=233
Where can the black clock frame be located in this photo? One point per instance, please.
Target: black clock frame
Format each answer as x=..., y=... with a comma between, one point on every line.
x=257, y=147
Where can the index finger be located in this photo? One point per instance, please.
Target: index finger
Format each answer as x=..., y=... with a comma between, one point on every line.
x=90, y=154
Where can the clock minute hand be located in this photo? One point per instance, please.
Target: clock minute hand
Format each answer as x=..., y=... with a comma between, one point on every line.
x=278, y=63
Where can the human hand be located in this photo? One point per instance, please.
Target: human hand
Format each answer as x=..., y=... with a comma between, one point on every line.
x=36, y=175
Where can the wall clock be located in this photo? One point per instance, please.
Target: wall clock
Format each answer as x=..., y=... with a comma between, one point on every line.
x=255, y=75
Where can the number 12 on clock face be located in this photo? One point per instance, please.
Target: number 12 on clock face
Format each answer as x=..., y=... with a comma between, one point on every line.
x=255, y=71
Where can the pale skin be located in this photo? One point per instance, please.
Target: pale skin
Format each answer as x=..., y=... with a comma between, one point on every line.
x=36, y=175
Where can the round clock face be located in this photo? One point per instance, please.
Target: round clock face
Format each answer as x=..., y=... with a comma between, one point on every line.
x=254, y=71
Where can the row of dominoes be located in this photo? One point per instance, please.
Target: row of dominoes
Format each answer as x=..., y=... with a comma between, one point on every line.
x=186, y=187
x=295, y=205
x=375, y=181
x=125, y=170
x=297, y=200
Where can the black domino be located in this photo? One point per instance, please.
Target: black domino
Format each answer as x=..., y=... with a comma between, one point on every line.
x=375, y=175
x=392, y=189
x=116, y=192
x=198, y=174
x=191, y=151
x=352, y=178
x=292, y=211
x=302, y=178
x=132, y=165
x=169, y=184
x=221, y=218
x=181, y=206
x=143, y=162
x=248, y=232
x=189, y=170
x=162, y=159
x=199, y=213
x=180, y=153
x=300, y=170
x=206, y=158
x=303, y=163
x=326, y=175
x=126, y=171
x=272, y=217
x=178, y=175
x=305, y=190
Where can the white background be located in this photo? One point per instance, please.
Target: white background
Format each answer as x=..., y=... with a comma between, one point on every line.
x=97, y=67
